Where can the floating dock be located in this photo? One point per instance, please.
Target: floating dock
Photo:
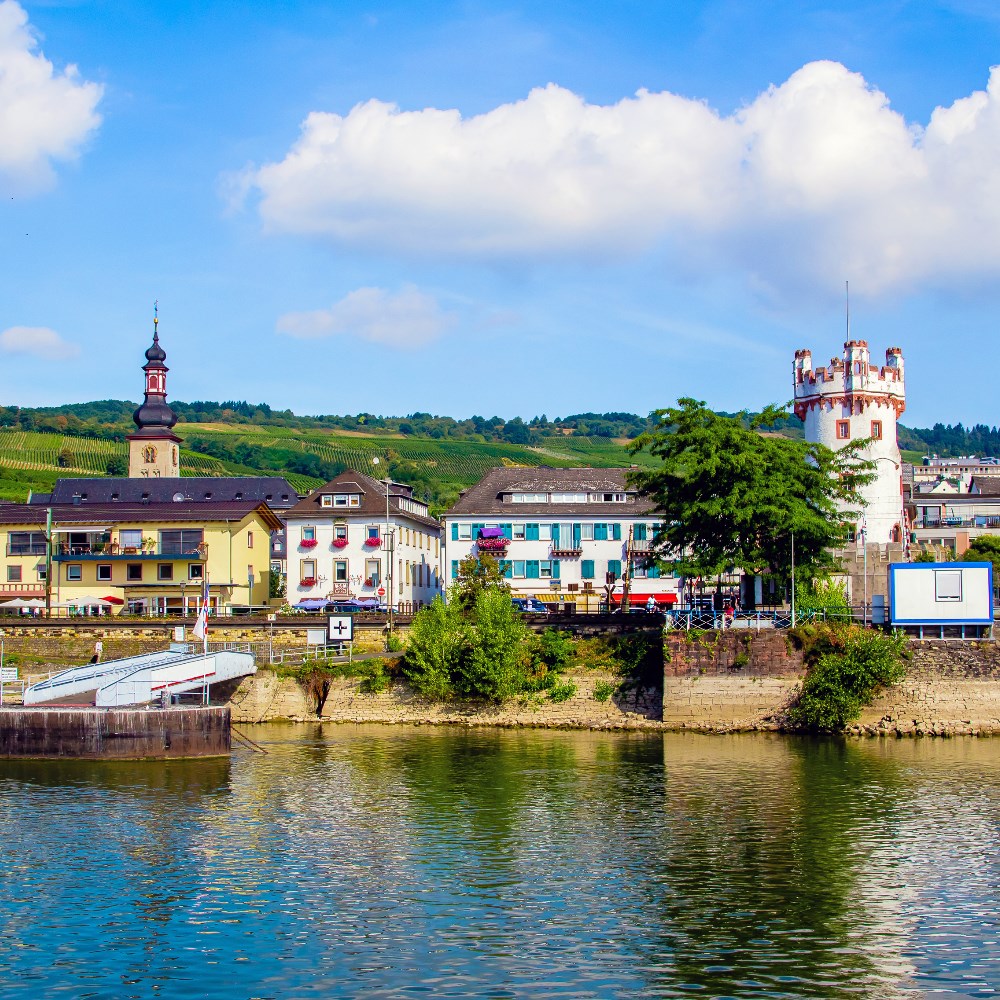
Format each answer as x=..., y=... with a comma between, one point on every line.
x=115, y=733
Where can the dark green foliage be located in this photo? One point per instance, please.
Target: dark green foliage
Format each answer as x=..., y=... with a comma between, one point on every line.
x=374, y=679
x=66, y=458
x=985, y=548
x=847, y=666
x=476, y=575
x=491, y=668
x=117, y=466
x=825, y=599
x=438, y=641
x=554, y=649
x=924, y=556
x=731, y=496
x=603, y=690
x=275, y=583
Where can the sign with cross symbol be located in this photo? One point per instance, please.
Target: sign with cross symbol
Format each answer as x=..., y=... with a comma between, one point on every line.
x=341, y=628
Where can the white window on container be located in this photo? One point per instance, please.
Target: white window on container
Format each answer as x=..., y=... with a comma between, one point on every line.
x=947, y=585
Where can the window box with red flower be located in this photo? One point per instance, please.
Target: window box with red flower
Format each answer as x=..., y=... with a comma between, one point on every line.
x=340, y=543
x=374, y=541
x=308, y=543
x=307, y=581
x=492, y=544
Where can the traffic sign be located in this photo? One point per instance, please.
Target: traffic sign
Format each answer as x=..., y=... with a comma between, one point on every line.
x=381, y=591
x=340, y=628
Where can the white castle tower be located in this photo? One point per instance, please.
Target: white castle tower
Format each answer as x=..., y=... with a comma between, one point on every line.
x=854, y=399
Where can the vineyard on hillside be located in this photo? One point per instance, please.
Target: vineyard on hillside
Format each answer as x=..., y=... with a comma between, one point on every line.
x=33, y=461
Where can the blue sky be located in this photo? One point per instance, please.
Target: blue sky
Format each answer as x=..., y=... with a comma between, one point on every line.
x=488, y=208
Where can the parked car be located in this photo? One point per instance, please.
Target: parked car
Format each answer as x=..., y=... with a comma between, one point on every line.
x=529, y=605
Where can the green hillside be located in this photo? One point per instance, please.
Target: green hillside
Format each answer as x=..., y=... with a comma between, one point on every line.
x=30, y=460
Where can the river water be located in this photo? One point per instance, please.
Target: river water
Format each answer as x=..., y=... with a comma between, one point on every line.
x=414, y=861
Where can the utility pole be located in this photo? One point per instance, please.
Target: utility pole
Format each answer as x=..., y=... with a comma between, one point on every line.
x=627, y=572
x=48, y=562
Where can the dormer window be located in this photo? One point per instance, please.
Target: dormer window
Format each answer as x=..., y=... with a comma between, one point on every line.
x=607, y=497
x=239, y=496
x=326, y=500
x=529, y=498
x=346, y=500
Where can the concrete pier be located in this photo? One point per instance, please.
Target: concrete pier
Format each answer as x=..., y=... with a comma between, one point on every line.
x=116, y=733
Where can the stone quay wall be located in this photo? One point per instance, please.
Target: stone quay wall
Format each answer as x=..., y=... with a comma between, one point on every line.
x=729, y=681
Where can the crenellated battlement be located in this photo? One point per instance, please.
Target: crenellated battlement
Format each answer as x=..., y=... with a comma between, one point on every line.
x=851, y=381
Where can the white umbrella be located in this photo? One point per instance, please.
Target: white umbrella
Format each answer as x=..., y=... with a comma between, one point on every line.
x=84, y=602
x=20, y=602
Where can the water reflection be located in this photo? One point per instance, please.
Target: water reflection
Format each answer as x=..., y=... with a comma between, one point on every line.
x=505, y=863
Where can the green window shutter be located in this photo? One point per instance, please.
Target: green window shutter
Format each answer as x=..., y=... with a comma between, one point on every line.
x=555, y=532
x=531, y=532
x=531, y=569
x=653, y=573
x=587, y=569
x=507, y=568
x=600, y=532
x=454, y=531
x=639, y=534
x=476, y=528
x=555, y=569
x=615, y=566
x=454, y=569
x=508, y=530
x=576, y=533
x=616, y=532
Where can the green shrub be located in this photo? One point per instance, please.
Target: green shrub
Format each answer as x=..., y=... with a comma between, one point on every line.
x=603, y=690
x=492, y=667
x=554, y=649
x=847, y=666
x=438, y=642
x=562, y=691
x=393, y=643
x=825, y=600
x=374, y=679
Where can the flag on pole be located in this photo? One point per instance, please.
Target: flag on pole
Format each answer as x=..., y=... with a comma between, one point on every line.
x=200, y=630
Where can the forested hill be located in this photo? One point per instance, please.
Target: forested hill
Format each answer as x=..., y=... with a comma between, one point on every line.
x=112, y=418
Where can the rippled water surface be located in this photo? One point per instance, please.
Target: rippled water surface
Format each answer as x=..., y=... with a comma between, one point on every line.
x=395, y=861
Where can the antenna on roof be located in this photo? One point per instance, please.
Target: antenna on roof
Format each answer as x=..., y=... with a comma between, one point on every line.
x=847, y=306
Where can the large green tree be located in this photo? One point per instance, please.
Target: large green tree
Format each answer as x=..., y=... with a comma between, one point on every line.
x=732, y=495
x=985, y=548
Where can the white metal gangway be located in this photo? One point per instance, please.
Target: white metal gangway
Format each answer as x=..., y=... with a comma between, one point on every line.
x=137, y=680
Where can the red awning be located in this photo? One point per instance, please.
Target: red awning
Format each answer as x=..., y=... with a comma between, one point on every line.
x=114, y=600
x=659, y=598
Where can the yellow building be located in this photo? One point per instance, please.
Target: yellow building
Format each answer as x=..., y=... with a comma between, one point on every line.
x=151, y=558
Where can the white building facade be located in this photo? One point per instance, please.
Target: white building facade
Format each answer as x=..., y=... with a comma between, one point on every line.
x=560, y=535
x=344, y=541
x=853, y=399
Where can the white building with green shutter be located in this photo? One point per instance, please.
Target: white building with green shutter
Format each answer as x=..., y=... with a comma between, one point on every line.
x=559, y=534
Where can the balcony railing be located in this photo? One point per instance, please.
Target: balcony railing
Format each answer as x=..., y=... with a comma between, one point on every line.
x=567, y=547
x=979, y=521
x=114, y=551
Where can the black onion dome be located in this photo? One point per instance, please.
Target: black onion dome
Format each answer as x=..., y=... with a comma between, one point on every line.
x=154, y=414
x=155, y=352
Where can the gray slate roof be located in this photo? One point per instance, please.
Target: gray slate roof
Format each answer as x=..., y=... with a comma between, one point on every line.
x=486, y=497
x=146, y=513
x=275, y=491
x=372, y=492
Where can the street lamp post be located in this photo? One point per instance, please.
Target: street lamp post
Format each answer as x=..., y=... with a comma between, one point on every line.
x=388, y=549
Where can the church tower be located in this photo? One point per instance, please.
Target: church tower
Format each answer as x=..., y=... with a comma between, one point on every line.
x=851, y=399
x=154, y=449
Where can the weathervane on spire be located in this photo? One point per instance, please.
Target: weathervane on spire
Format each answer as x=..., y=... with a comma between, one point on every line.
x=156, y=317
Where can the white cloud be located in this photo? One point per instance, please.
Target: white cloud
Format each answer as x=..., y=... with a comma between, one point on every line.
x=44, y=115
x=409, y=318
x=814, y=181
x=38, y=341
